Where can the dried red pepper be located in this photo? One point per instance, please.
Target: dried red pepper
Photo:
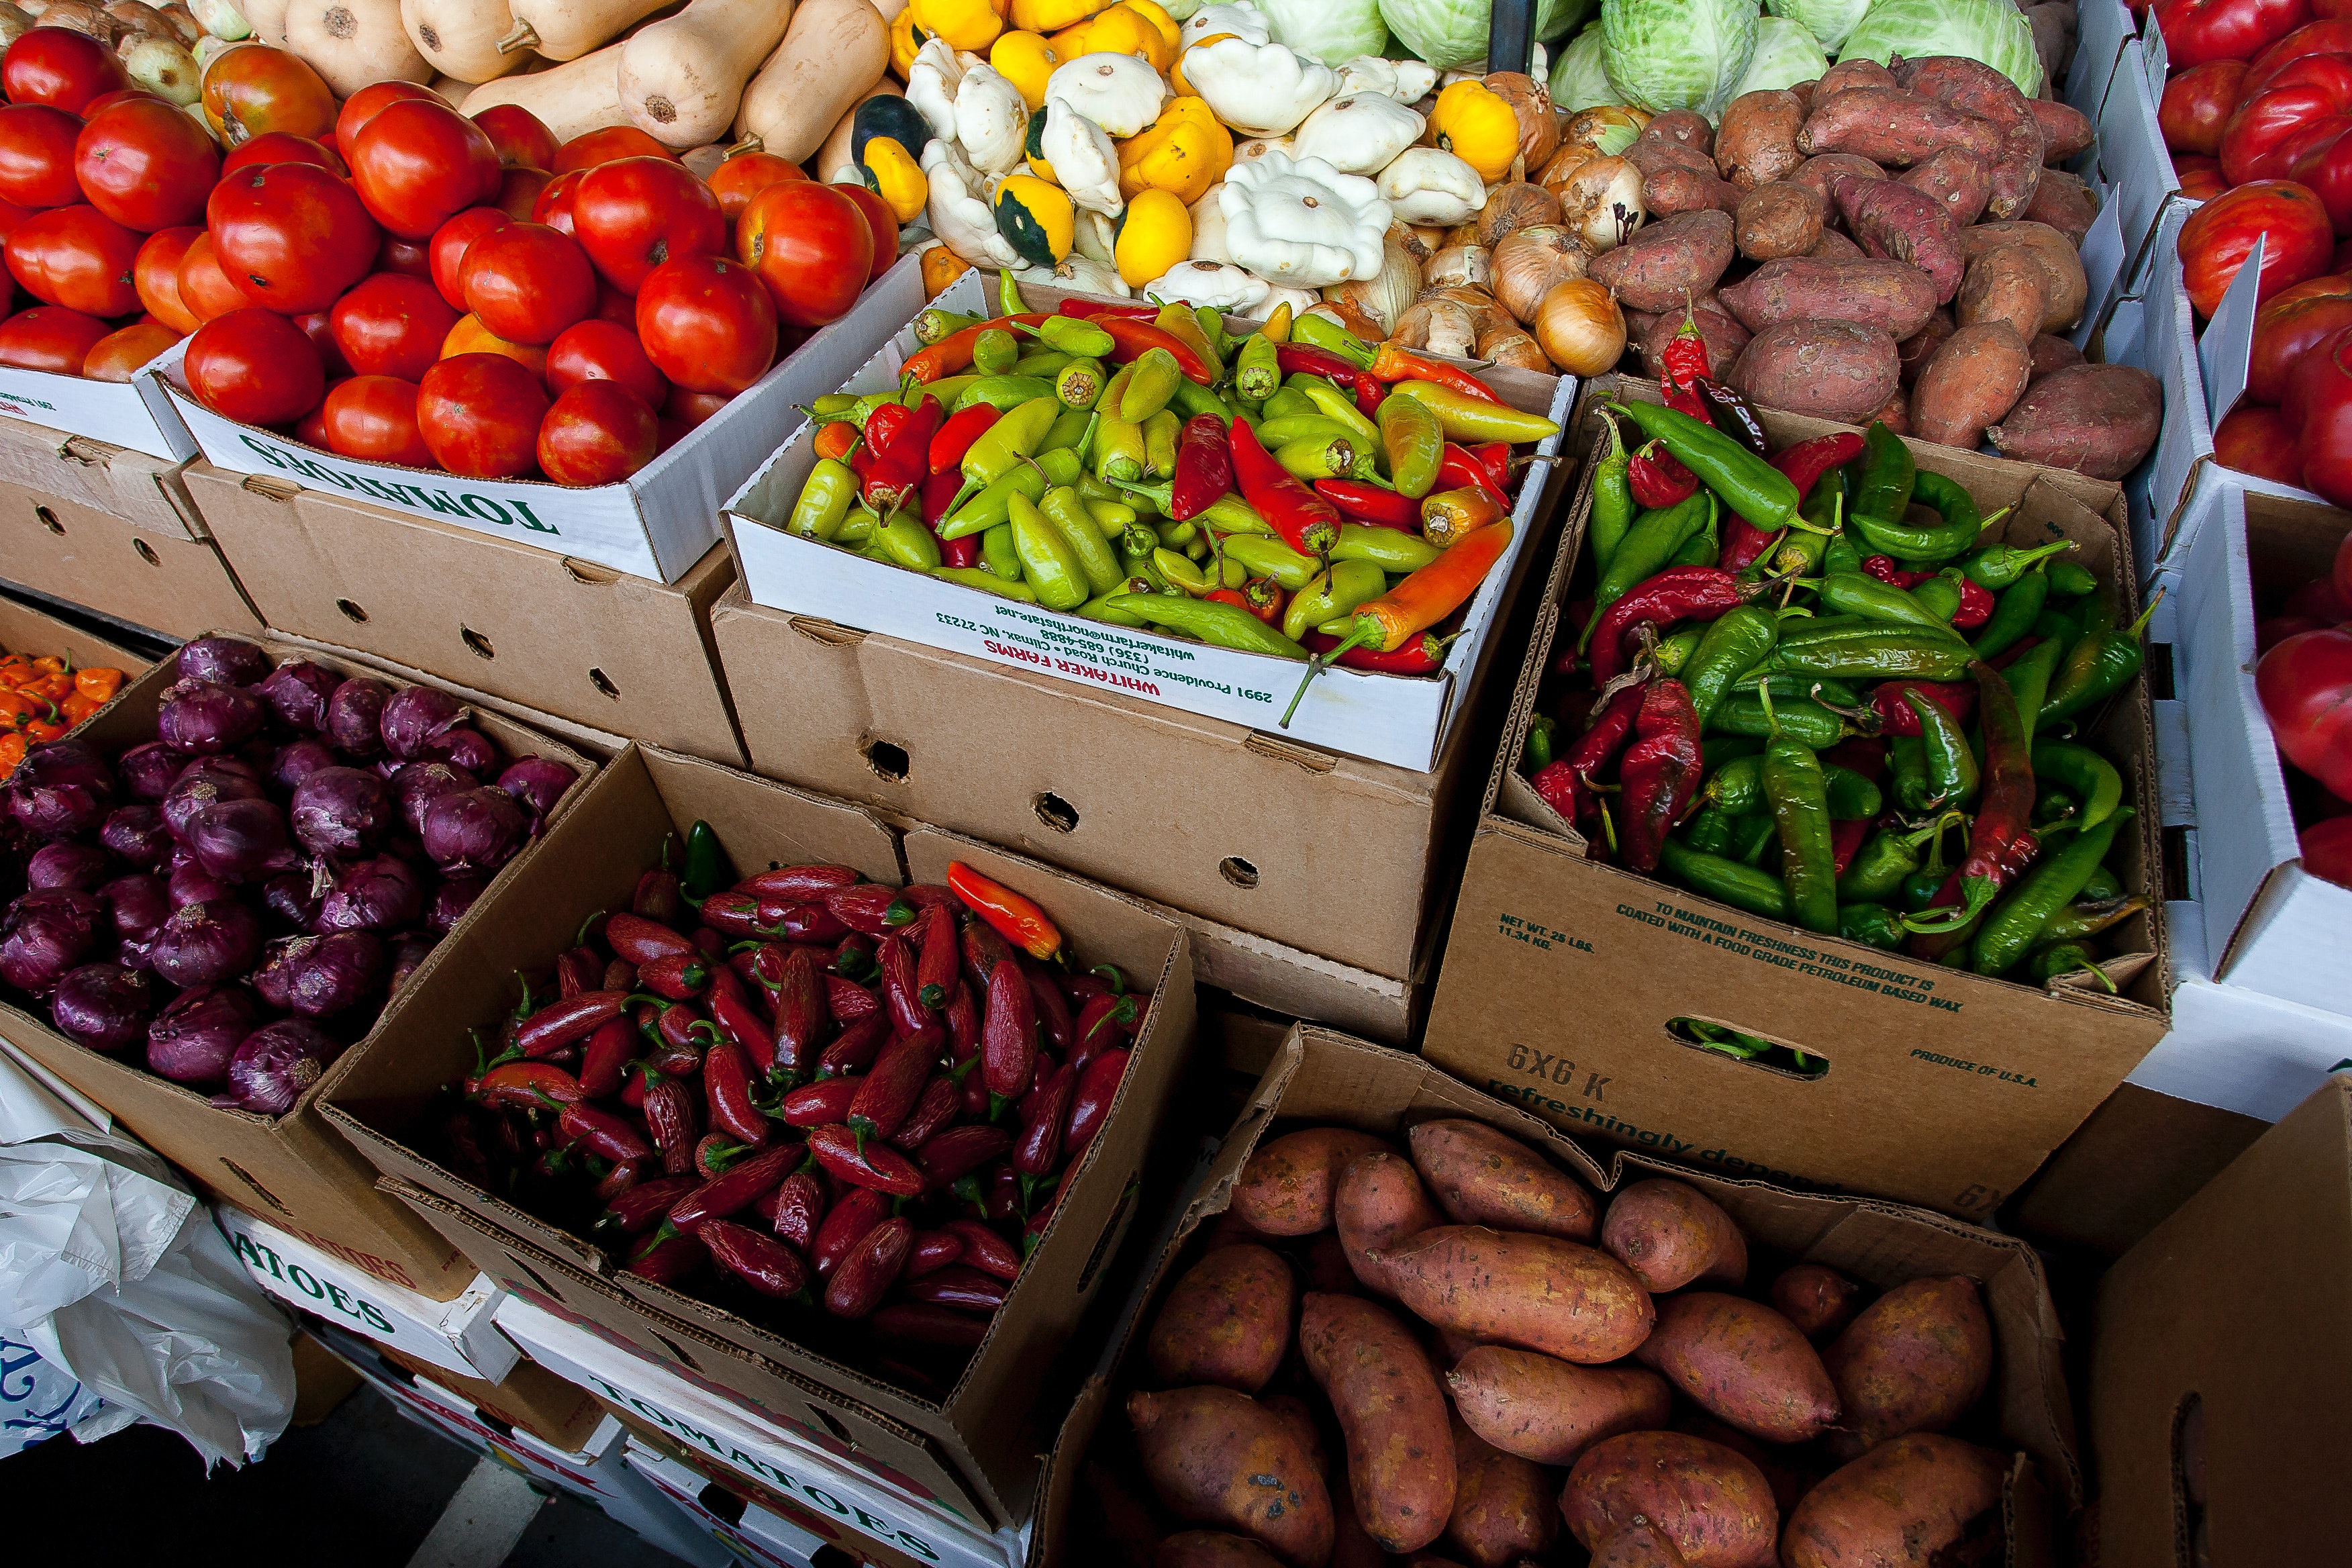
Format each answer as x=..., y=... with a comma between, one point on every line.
x=1676, y=594
x=2001, y=842
x=1659, y=479
x=1564, y=784
x=955, y=438
x=1373, y=504
x=1456, y=469
x=1660, y=772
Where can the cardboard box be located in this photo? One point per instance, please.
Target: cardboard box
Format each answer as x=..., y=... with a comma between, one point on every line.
x=2100, y=28
x=112, y=529
x=27, y=629
x=1322, y=1076
x=1940, y=1087
x=2139, y=1157
x=291, y=1168
x=656, y=523
x=748, y=1532
x=2149, y=326
x=2224, y=1340
x=1404, y=721
x=133, y=414
x=2130, y=149
x=563, y=635
x=970, y=1443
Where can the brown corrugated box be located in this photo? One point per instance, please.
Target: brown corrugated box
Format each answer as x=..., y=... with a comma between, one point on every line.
x=1941, y=1087
x=2138, y=1158
x=530, y=1398
x=30, y=631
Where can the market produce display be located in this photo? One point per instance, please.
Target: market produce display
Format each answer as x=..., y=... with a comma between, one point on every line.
x=2304, y=679
x=42, y=696
x=1292, y=492
x=1454, y=1346
x=238, y=896
x=806, y=1097
x=1866, y=714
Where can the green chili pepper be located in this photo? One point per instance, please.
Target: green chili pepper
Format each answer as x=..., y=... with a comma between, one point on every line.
x=1150, y=387
x=906, y=542
x=1538, y=752
x=1647, y=547
x=1264, y=556
x=1841, y=560
x=2071, y=580
x=1073, y=336
x=1314, y=331
x=1160, y=434
x=1317, y=457
x=1070, y=427
x=1008, y=294
x=1273, y=433
x=1751, y=837
x=1079, y=382
x=1700, y=549
x=1940, y=595
x=1289, y=402
x=1726, y=880
x=857, y=528
x=1811, y=722
x=1746, y=482
x=1675, y=652
x=986, y=582
x=1119, y=452
x=1852, y=796
x=1875, y=873
x=1873, y=925
x=1473, y=420
x=1006, y=392
x=2013, y=615
x=2052, y=807
x=2088, y=776
x=1218, y=625
x=824, y=500
x=833, y=406
x=2028, y=677
x=705, y=871
x=1389, y=549
x=2061, y=958
x=1095, y=559
x=1999, y=566
x=1410, y=439
x=1731, y=646
x=996, y=551
x=1888, y=471
x=1718, y=749
x=1097, y=608
x=1612, y=498
x=1934, y=544
x=1906, y=760
x=2096, y=667
x=1951, y=766
x=1045, y=362
x=1797, y=796
x=1709, y=831
x=1212, y=323
x=2103, y=884
x=2089, y=915
x=1113, y=518
x=1331, y=595
x=1737, y=789
x=2097, y=614
x=1177, y=569
x=1256, y=376
x=994, y=505
x=1340, y=408
x=1018, y=434
x=1858, y=594
x=932, y=324
x=1051, y=567
x=1859, y=650
x=2013, y=923
x=1831, y=694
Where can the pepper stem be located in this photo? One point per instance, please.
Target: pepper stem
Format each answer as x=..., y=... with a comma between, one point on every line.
x=1320, y=662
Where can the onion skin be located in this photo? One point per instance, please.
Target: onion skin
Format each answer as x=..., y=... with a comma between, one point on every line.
x=206, y=943
x=228, y=661
x=413, y=717
x=274, y=1065
x=103, y=1006
x=80, y=866
x=203, y=717
x=1531, y=263
x=342, y=810
x=537, y=782
x=194, y=1038
x=1580, y=328
x=354, y=716
x=298, y=691
x=474, y=830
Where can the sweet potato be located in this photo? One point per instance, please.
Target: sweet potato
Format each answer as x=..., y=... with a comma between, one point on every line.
x=1725, y=338
x=1711, y=1502
x=1219, y=1458
x=1481, y=1176
x=1656, y=158
x=1538, y=1292
x=1503, y=1507
x=1835, y=246
x=2011, y=284
x=1974, y=88
x=1296, y=1414
x=1779, y=218
x=2066, y=204
x=2096, y=419
x=1381, y=1203
x=1228, y=1230
x=1213, y=1549
x=1652, y=270
x=2068, y=287
x=2053, y=354
x=1790, y=1472
x=1226, y=1320
x=1891, y=128
x=1385, y=1394
x=1681, y=127
x=1914, y=352
x=1852, y=73
x=1758, y=142
x=1975, y=378
x=1638, y=1545
x=1286, y=1189
x=1673, y=191
x=1904, y=225
x=1915, y=1359
x=2065, y=129
x=1743, y=1363
x=1957, y=179
x=1350, y=1547
x=1894, y=413
x=1326, y=1266
x=1547, y=1410
x=1822, y=173
x=1893, y=296
x=1668, y=1232
x=1820, y=1301
x=1830, y=370
x=1897, y=1507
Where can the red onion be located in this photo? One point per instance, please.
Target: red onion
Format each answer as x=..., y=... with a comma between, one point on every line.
x=537, y=782
x=64, y=763
x=474, y=830
x=60, y=790
x=103, y=1006
x=318, y=976
x=45, y=934
x=202, y=716
x=415, y=716
x=231, y=661
x=298, y=761
x=451, y=900
x=288, y=898
x=149, y=768
x=241, y=840
x=354, y=716
x=380, y=893
x=276, y=1064
x=192, y=884
x=140, y=903
x=193, y=1039
x=468, y=749
x=203, y=944
x=407, y=956
x=136, y=834
x=81, y=867
x=341, y=811
x=299, y=692
x=207, y=783
x=418, y=785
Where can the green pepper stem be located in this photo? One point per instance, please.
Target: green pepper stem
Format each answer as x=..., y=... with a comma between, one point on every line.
x=1316, y=665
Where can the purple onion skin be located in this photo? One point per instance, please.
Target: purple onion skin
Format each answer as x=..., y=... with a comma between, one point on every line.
x=274, y=1065
x=288, y=901
x=382, y=894
x=202, y=718
x=241, y=840
x=81, y=867
x=451, y=900
x=136, y=836
x=294, y=762
x=408, y=953
x=55, y=811
x=320, y=976
x=208, y=783
x=103, y=1006
x=537, y=782
x=342, y=810
x=477, y=830
x=192, y=884
x=354, y=714
x=414, y=716
x=203, y=944
x=149, y=768
x=140, y=904
x=194, y=1038
x=45, y=934
x=231, y=661
x=468, y=749
x=62, y=764
x=418, y=785
x=298, y=691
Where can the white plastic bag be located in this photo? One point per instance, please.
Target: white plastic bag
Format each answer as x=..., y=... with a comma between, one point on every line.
x=114, y=1273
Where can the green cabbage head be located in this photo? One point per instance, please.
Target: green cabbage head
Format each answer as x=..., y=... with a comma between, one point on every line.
x=1994, y=31
x=1679, y=53
x=1452, y=33
x=1827, y=20
x=1332, y=31
x=1578, y=81
x=1785, y=55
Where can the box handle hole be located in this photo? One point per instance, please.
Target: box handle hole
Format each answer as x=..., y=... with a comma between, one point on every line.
x=352, y=612
x=146, y=552
x=604, y=683
x=264, y=1194
x=888, y=761
x=477, y=642
x=1756, y=1051
x=721, y=1504
x=831, y=1424
x=1056, y=812
x=1237, y=871
x=49, y=520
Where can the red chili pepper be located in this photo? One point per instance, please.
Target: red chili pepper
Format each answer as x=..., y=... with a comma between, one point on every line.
x=1037, y=1144
x=965, y=1289
x=1807, y=461
x=1975, y=608
x=675, y=1124
x=737, y=1024
x=1374, y=504
x=805, y=883
x=1087, y=309
x=1895, y=716
x=934, y=1250
x=640, y=941
x=1494, y=457
x=1008, y=1033
x=732, y=914
x=985, y=1249
x=1659, y=479
x=608, y=1052
x=1884, y=568
x=1104, y=1022
x=985, y=947
x=666, y=1260
x=1054, y=1025
x=1845, y=837
x=561, y=1023
x=1456, y=469
x=847, y=1223
x=936, y=956
x=898, y=441
x=601, y=1133
x=793, y=1210
x=877, y=1166
x=959, y=1150
x=1425, y=654
x=1306, y=522
x=854, y=1048
x=1686, y=366
x=816, y=1104
x=1369, y=393
x=952, y=354
x=955, y=438
x=1564, y=784
x=869, y=1269
x=963, y=1046
x=802, y=1015
x=685, y=1032
x=1132, y=339
x=718, y=1150
x=1090, y=1106
x=1204, y=467
x=941, y=1099
x=867, y=908
x=675, y=975
x=762, y=1262
x=1676, y=594
x=644, y=1207
x=1660, y=772
x=525, y=1085
x=734, y=1189
x=1864, y=756
x=1744, y=543
x=940, y=492
x=727, y=1084
x=1999, y=844
x=1020, y=922
x=582, y=969
x=1391, y=362
x=1296, y=359
x=895, y=959
x=887, y=1094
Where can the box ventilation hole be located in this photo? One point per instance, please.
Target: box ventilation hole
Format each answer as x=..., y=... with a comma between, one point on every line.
x=721, y=1503
x=2173, y=844
x=2160, y=672
x=1237, y=871
x=1056, y=812
x=49, y=520
x=477, y=642
x=679, y=1351
x=263, y=1193
x=146, y=552
x=504, y=1429
x=352, y=612
x=604, y=683
x=2188, y=1476
x=1754, y=1050
x=832, y=1422
x=888, y=761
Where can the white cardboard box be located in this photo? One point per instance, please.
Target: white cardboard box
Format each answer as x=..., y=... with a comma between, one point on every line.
x=748, y=1532
x=2100, y=27
x=1387, y=718
x=2131, y=151
x=2150, y=326
x=656, y=523
x=133, y=414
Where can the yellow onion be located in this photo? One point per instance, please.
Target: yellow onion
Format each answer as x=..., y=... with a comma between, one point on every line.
x=1412, y=241
x=1428, y=240
x=1513, y=207
x=1461, y=234
x=1386, y=295
x=1351, y=314
x=1513, y=347
x=1471, y=264
x=1600, y=203
x=1572, y=156
x=1440, y=326
x=1486, y=315
x=1580, y=328
x=1532, y=262
x=1608, y=129
x=1530, y=100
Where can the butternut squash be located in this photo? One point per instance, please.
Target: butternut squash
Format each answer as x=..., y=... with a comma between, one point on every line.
x=452, y=91
x=267, y=20
x=572, y=98
x=834, y=51
x=460, y=38
x=836, y=154
x=890, y=8
x=568, y=29
x=681, y=77
x=351, y=43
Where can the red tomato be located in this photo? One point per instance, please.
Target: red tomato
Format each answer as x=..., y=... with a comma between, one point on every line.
x=597, y=433
x=470, y=337
x=2196, y=31
x=50, y=338
x=312, y=428
x=2288, y=329
x=614, y=143
x=553, y=207
x=2269, y=634
x=36, y=156
x=115, y=356
x=146, y=164
x=155, y=275
x=2198, y=102
x=634, y=215
x=205, y=289
x=373, y=100
x=282, y=147
x=409, y=258
x=2328, y=849
x=687, y=409
x=2255, y=440
x=613, y=305
x=255, y=367
x=2269, y=129
x=2306, y=686
x=2321, y=414
x=811, y=246
x=448, y=247
x=2201, y=178
x=79, y=257
x=597, y=349
x=318, y=326
x=264, y=89
x=480, y=414
x=518, y=191
x=881, y=220
x=2217, y=237
x=61, y=68
x=707, y=324
x=745, y=175
x=290, y=235
x=2316, y=38
x=521, y=138
x=416, y=163
x=106, y=100
x=373, y=418
x=391, y=325
x=2342, y=576
x=527, y=282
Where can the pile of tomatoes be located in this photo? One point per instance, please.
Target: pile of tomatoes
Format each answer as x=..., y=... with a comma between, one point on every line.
x=2304, y=681
x=390, y=280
